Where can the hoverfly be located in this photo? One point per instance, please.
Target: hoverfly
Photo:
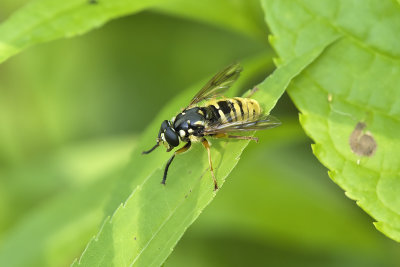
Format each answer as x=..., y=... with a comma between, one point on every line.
x=217, y=117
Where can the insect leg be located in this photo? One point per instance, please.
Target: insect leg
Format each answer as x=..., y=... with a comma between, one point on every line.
x=252, y=92
x=243, y=137
x=179, y=151
x=224, y=135
x=206, y=144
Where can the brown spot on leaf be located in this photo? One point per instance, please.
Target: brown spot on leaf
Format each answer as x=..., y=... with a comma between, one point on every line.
x=362, y=144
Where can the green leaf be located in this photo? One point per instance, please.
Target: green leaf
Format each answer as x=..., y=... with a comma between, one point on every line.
x=145, y=228
x=243, y=16
x=46, y=20
x=349, y=97
x=81, y=209
x=269, y=211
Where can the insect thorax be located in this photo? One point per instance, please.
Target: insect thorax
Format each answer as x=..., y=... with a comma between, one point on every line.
x=190, y=123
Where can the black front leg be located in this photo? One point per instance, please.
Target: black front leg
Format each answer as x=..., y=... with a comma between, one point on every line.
x=179, y=151
x=166, y=169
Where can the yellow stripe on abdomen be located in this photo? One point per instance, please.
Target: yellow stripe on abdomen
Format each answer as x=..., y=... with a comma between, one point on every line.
x=248, y=108
x=235, y=109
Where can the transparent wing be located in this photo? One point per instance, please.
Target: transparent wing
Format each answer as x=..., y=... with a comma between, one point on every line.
x=219, y=84
x=258, y=123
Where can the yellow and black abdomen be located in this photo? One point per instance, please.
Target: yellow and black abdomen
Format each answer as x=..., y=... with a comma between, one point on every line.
x=232, y=110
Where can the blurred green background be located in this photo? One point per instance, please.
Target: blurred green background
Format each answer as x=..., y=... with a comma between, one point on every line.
x=70, y=112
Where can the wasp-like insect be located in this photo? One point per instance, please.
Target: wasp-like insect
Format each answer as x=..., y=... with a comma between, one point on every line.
x=215, y=118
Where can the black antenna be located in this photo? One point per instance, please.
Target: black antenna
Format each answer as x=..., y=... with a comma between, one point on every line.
x=151, y=150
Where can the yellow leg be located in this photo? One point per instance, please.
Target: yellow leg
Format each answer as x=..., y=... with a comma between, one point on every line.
x=206, y=144
x=224, y=135
x=252, y=92
x=243, y=137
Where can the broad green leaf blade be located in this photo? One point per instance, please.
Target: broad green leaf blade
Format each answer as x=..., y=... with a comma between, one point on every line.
x=350, y=97
x=144, y=230
x=46, y=20
x=315, y=220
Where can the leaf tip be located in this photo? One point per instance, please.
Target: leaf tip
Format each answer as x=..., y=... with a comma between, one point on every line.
x=351, y=196
x=388, y=230
x=277, y=61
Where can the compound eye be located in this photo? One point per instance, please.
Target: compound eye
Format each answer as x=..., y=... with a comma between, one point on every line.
x=171, y=137
x=164, y=125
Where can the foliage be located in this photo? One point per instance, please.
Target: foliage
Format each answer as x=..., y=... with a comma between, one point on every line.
x=159, y=215
x=355, y=87
x=71, y=111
